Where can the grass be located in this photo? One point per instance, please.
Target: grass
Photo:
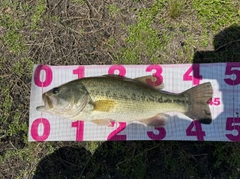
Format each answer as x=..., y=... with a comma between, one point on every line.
x=91, y=32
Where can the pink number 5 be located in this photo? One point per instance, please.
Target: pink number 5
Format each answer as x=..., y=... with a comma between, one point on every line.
x=233, y=123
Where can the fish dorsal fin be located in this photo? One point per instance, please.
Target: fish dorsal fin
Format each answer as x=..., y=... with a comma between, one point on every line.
x=104, y=105
x=143, y=80
x=153, y=79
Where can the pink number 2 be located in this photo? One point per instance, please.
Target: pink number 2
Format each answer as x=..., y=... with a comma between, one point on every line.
x=113, y=135
x=121, y=70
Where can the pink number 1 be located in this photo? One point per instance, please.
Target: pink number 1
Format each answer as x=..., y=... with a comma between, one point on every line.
x=79, y=71
x=79, y=129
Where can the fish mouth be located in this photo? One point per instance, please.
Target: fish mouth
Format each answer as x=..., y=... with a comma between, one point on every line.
x=49, y=102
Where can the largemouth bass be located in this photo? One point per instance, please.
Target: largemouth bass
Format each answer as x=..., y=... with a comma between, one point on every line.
x=109, y=98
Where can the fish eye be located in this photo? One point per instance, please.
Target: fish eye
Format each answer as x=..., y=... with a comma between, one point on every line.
x=55, y=90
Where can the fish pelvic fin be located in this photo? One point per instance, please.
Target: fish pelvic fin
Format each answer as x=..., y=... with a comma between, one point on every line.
x=104, y=105
x=198, y=107
x=103, y=122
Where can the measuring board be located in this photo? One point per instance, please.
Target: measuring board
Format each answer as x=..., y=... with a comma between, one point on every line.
x=224, y=106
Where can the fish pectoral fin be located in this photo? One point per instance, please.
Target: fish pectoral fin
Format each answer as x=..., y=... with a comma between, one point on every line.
x=103, y=122
x=104, y=105
x=156, y=121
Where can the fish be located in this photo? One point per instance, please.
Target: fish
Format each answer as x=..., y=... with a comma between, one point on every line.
x=112, y=98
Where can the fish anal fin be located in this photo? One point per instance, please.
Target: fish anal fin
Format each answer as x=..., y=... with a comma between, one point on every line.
x=198, y=97
x=103, y=122
x=156, y=121
x=104, y=105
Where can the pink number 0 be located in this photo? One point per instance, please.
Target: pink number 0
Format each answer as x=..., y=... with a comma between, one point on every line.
x=48, y=74
x=121, y=69
x=46, y=129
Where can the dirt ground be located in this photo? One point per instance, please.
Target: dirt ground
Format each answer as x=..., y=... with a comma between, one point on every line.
x=84, y=32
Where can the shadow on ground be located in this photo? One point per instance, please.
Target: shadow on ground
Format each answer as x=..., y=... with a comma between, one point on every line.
x=115, y=160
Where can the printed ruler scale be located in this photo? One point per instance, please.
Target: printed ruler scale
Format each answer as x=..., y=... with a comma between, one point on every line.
x=225, y=104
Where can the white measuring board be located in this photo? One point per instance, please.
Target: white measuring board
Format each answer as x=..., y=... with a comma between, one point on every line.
x=224, y=106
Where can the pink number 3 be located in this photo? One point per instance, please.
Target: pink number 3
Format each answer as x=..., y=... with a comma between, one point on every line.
x=157, y=74
x=160, y=136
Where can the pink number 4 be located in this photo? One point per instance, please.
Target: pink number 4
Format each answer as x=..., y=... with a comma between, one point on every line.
x=195, y=77
x=195, y=129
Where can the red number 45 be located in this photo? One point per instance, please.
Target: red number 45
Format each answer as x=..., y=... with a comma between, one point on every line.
x=214, y=101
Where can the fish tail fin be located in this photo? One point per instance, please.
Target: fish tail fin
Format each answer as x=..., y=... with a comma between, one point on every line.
x=198, y=108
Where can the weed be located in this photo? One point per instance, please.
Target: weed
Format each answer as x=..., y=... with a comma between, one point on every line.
x=39, y=10
x=176, y=8
x=215, y=14
x=144, y=41
x=113, y=10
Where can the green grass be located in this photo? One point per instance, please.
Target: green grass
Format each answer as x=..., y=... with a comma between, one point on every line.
x=143, y=39
x=159, y=32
